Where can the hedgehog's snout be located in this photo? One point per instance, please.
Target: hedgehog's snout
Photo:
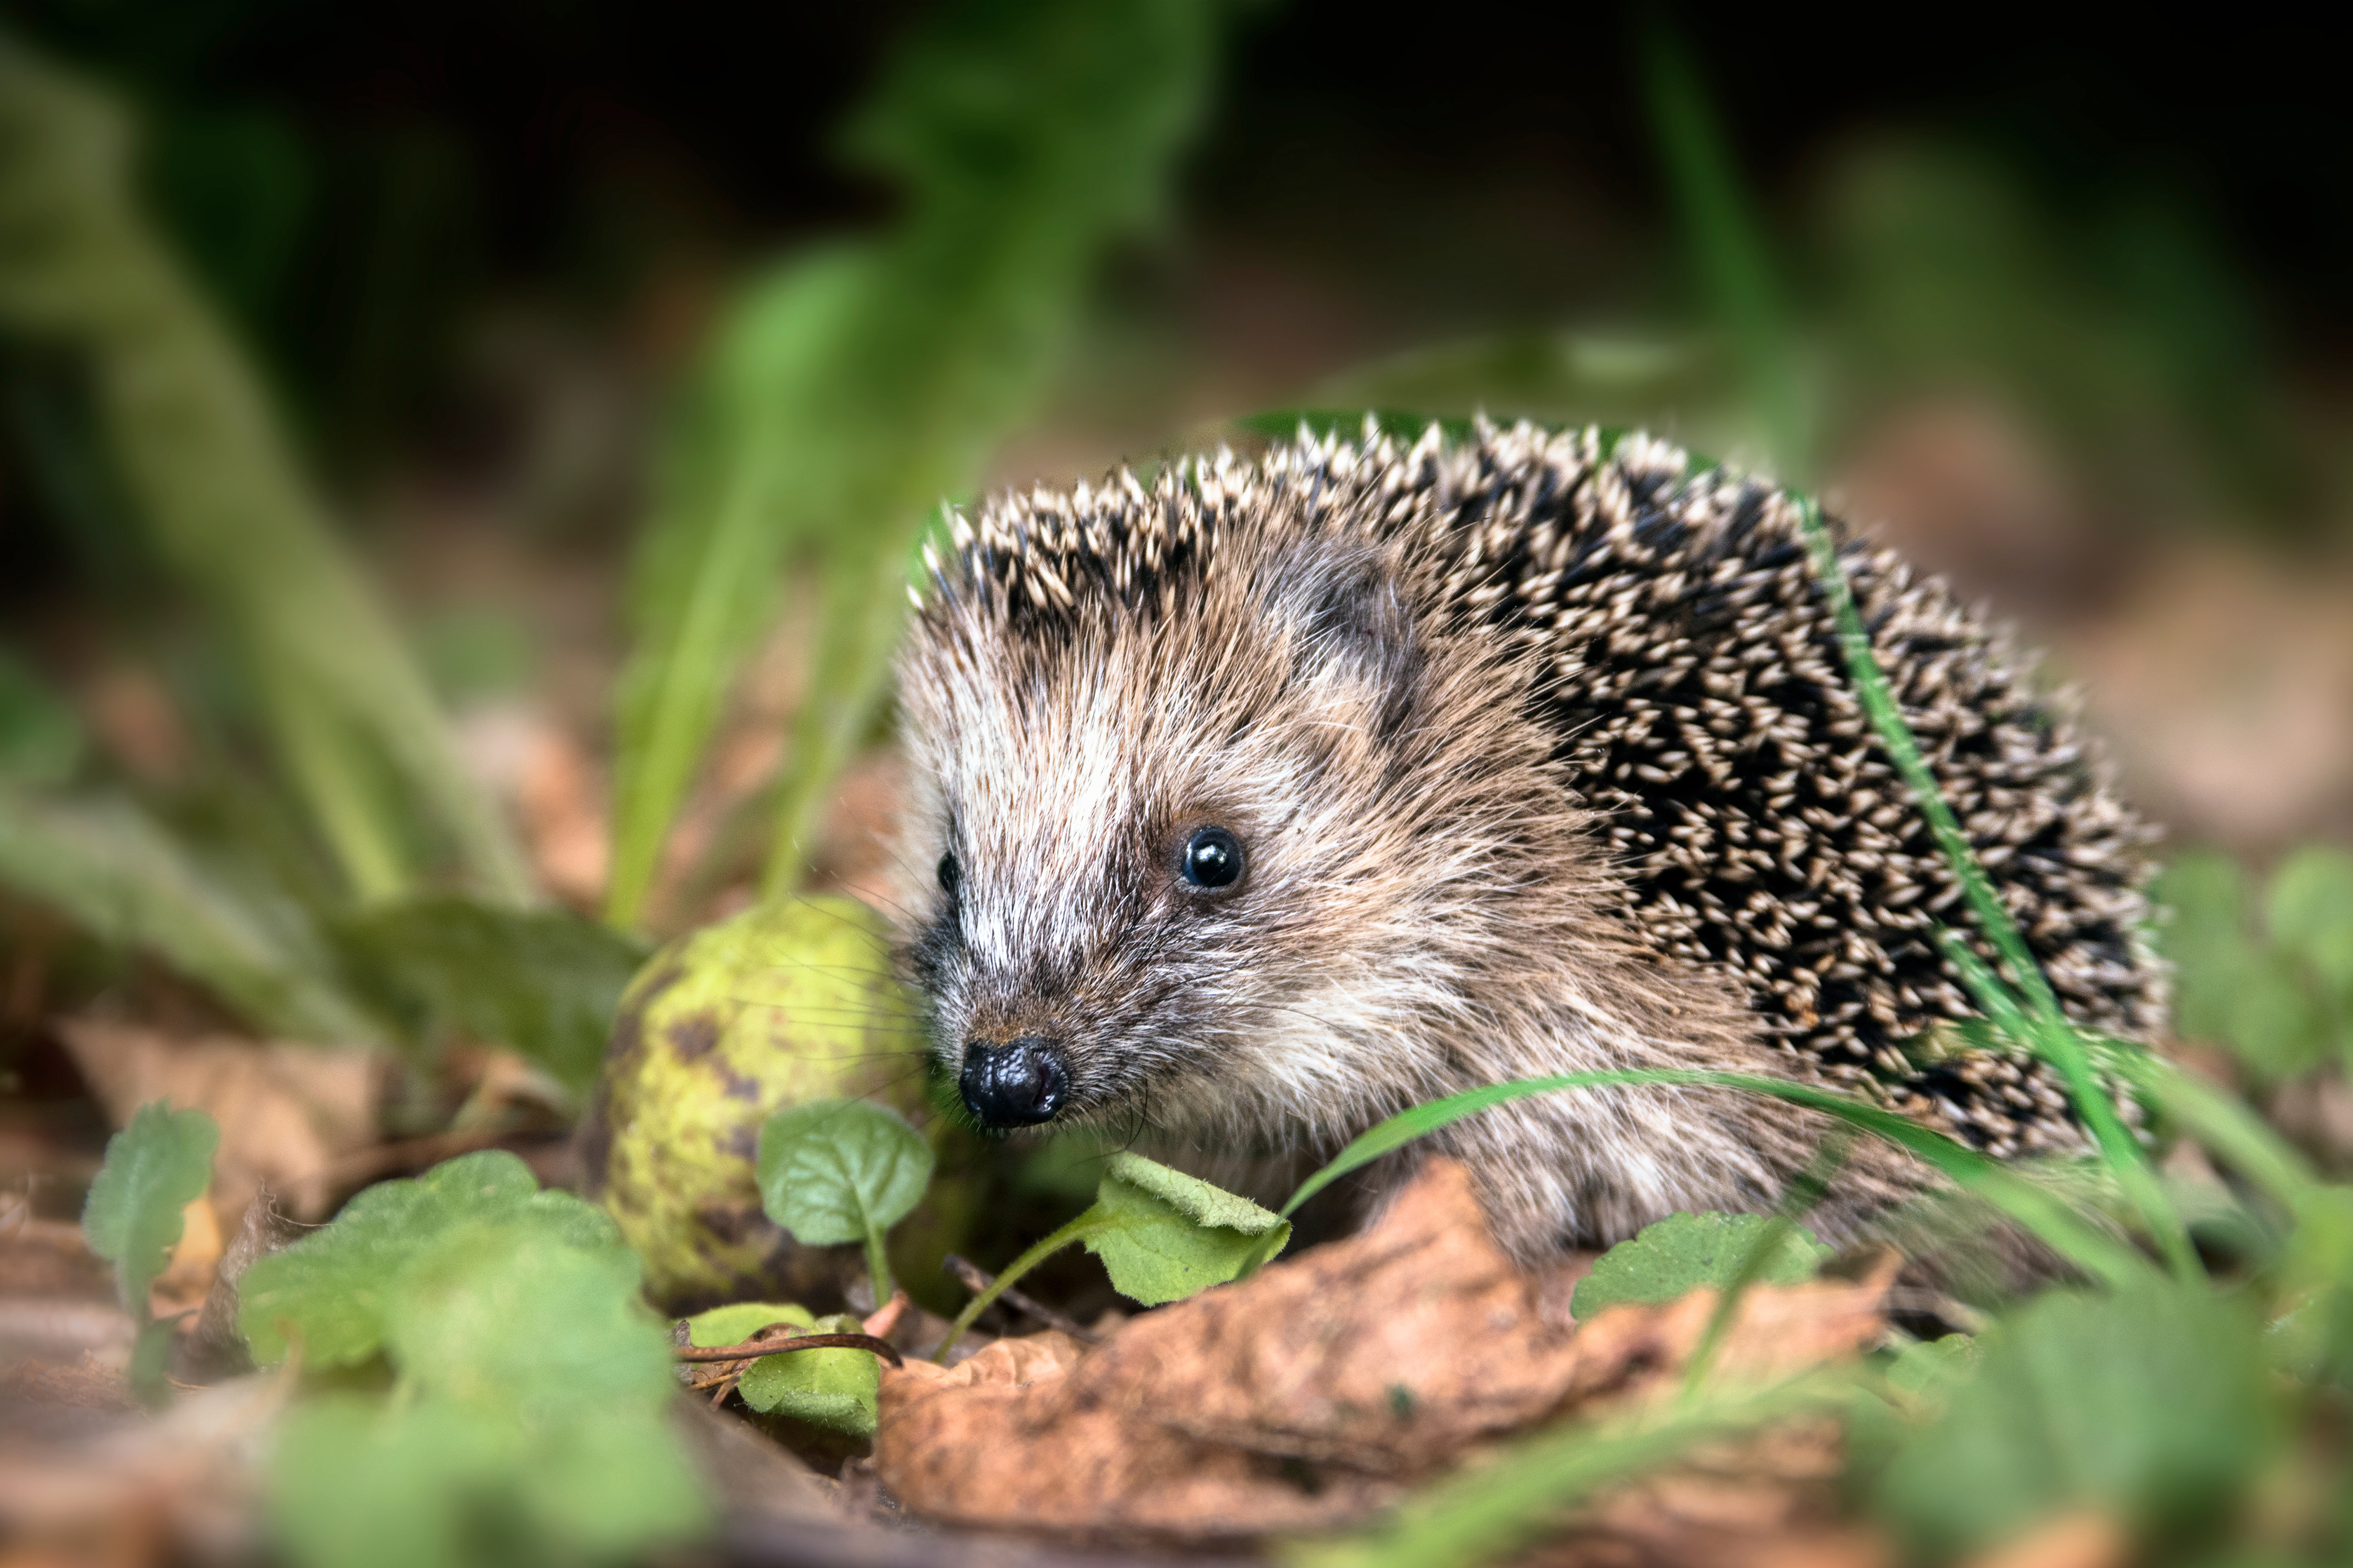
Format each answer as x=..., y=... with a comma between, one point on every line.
x=1017, y=1084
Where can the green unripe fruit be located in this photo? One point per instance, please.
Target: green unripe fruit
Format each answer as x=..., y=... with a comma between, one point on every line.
x=785, y=1003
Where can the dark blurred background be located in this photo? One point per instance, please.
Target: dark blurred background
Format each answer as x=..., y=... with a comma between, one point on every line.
x=2072, y=295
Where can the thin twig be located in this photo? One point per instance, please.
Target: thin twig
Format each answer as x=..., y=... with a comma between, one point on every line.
x=1936, y=1304
x=976, y=1279
x=886, y=1317
x=754, y=1349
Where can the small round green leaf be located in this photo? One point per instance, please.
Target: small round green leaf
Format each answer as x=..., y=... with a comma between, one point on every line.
x=1683, y=1252
x=839, y=1389
x=833, y=1169
x=1171, y=1236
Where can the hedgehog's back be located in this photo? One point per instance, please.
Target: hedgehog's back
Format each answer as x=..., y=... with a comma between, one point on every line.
x=1701, y=697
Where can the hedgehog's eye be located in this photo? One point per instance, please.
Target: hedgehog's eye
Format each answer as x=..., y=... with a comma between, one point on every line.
x=949, y=874
x=1212, y=860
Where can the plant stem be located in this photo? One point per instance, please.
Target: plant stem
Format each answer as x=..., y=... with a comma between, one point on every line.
x=1079, y=1229
x=757, y=1349
x=878, y=1265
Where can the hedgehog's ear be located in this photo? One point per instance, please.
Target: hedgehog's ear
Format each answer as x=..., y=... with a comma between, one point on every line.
x=1349, y=624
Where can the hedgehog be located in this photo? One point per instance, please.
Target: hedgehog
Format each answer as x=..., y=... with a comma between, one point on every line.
x=1266, y=799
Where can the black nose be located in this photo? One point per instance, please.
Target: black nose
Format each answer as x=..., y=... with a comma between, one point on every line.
x=1017, y=1084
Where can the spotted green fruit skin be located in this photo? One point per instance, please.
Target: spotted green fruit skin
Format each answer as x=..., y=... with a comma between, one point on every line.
x=783, y=1003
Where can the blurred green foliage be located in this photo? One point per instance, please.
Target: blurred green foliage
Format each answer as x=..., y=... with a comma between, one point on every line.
x=2266, y=973
x=527, y=1417
x=849, y=390
x=120, y=873
x=2124, y=339
x=211, y=477
x=541, y=982
x=2154, y=1406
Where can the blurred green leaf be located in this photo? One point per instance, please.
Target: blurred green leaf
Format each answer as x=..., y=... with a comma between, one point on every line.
x=1683, y=1252
x=2313, y=1336
x=115, y=870
x=532, y=1427
x=40, y=738
x=544, y=983
x=2150, y=1404
x=1923, y=1376
x=355, y=1485
x=207, y=464
x=852, y=389
x=154, y=1168
x=1931, y=1369
x=835, y=1171
x=1485, y=1511
x=338, y=1288
x=2310, y=914
x=2205, y=939
x=2280, y=999
x=1169, y=1235
x=538, y=1298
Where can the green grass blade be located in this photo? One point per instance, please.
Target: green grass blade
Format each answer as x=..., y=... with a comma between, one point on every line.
x=2044, y=1030
x=1726, y=241
x=2038, y=1213
x=116, y=872
x=703, y=582
x=1492, y=1509
x=2226, y=1126
x=1088, y=1224
x=1726, y=244
x=207, y=462
x=1802, y=1193
x=865, y=604
x=854, y=392
x=331, y=774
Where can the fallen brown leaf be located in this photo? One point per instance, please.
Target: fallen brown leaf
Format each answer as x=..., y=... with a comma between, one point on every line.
x=186, y=1484
x=187, y=1277
x=286, y=1112
x=1311, y=1394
